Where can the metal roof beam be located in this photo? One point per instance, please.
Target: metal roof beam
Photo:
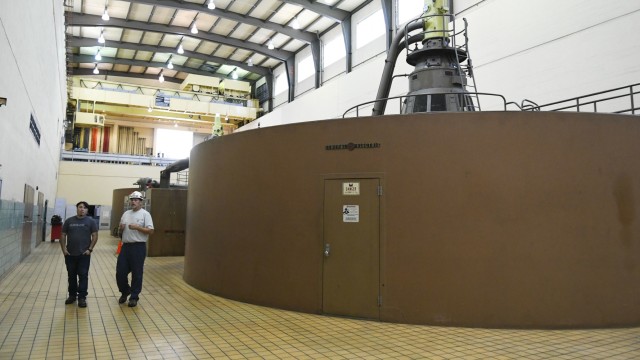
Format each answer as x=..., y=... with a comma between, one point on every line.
x=105, y=73
x=88, y=59
x=334, y=14
x=303, y=36
x=90, y=42
x=94, y=20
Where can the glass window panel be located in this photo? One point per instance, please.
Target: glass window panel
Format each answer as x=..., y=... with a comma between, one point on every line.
x=281, y=84
x=370, y=29
x=175, y=144
x=334, y=50
x=409, y=9
x=305, y=68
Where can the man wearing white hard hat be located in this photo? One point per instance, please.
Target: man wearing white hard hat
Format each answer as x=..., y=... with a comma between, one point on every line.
x=135, y=225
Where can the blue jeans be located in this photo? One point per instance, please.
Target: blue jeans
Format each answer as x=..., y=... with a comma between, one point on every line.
x=131, y=260
x=78, y=273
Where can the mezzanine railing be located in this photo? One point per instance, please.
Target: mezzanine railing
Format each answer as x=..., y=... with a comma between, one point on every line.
x=115, y=158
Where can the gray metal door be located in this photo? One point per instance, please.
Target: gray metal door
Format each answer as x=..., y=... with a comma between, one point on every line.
x=351, y=270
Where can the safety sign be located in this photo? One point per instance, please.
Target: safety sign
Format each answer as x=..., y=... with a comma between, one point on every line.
x=350, y=213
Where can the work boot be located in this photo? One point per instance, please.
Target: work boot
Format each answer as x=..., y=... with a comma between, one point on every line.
x=122, y=299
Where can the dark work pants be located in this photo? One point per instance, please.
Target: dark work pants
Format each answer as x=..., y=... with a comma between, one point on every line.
x=78, y=273
x=131, y=260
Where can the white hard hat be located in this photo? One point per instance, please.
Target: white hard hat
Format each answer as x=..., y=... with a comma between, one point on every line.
x=136, y=195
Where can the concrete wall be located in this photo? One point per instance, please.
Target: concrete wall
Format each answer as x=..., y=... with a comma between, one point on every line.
x=492, y=219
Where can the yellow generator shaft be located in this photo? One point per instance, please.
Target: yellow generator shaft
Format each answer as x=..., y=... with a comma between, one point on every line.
x=435, y=19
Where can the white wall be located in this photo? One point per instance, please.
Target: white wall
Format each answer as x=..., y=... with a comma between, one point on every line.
x=554, y=50
x=33, y=79
x=95, y=182
x=541, y=50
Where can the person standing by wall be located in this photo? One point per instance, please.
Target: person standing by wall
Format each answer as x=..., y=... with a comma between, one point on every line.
x=79, y=237
x=135, y=225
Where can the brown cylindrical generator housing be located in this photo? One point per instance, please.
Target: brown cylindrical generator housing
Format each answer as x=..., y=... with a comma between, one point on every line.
x=168, y=208
x=486, y=219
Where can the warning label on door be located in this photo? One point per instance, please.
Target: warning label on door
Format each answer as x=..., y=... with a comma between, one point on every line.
x=350, y=213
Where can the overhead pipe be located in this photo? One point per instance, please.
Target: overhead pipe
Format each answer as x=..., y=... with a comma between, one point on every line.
x=390, y=64
x=171, y=168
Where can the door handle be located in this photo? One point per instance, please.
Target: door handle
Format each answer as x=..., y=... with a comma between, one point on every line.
x=327, y=250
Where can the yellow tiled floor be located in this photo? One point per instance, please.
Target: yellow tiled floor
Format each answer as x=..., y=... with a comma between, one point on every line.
x=175, y=321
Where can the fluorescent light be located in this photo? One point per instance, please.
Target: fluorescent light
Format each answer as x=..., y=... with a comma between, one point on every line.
x=194, y=29
x=211, y=5
x=105, y=15
x=180, y=49
x=98, y=56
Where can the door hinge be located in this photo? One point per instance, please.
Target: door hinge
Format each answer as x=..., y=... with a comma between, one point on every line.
x=379, y=190
x=379, y=300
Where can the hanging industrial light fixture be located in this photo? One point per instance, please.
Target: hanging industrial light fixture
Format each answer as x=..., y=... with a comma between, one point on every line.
x=194, y=28
x=270, y=45
x=95, y=70
x=101, y=38
x=161, y=77
x=180, y=48
x=234, y=74
x=169, y=63
x=105, y=14
x=211, y=5
x=295, y=23
x=98, y=57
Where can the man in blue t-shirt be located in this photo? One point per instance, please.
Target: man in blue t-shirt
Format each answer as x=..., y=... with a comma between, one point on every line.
x=79, y=237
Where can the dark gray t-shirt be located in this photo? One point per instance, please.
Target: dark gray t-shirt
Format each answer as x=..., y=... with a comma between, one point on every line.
x=79, y=232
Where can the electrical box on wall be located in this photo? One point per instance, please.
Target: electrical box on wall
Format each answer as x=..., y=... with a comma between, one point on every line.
x=88, y=119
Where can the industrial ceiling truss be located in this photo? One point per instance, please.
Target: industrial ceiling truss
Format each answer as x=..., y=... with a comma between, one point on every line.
x=142, y=38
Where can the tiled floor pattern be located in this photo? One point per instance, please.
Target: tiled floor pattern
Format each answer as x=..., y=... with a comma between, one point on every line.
x=175, y=321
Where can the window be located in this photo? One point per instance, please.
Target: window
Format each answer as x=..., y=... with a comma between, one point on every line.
x=409, y=10
x=281, y=85
x=174, y=144
x=305, y=68
x=370, y=29
x=334, y=51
